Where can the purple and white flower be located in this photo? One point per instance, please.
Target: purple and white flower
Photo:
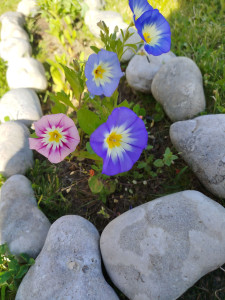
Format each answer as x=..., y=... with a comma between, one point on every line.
x=103, y=73
x=120, y=141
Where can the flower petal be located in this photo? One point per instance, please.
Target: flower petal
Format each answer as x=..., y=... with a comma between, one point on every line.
x=97, y=140
x=93, y=88
x=91, y=62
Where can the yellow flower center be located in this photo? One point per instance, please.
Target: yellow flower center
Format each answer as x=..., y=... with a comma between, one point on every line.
x=114, y=140
x=54, y=136
x=99, y=71
x=147, y=37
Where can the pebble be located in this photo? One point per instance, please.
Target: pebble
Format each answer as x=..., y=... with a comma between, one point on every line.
x=22, y=105
x=26, y=72
x=23, y=226
x=160, y=249
x=14, y=48
x=111, y=19
x=178, y=87
x=69, y=265
x=142, y=68
x=15, y=154
x=201, y=143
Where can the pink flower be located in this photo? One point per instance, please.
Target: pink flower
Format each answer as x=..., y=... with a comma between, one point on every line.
x=57, y=137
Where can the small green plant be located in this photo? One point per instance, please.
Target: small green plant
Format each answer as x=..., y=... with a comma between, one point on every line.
x=168, y=159
x=12, y=270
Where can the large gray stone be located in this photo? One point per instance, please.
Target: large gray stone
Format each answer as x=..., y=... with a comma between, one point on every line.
x=160, y=249
x=22, y=225
x=111, y=19
x=178, y=87
x=69, y=265
x=26, y=72
x=22, y=105
x=95, y=4
x=13, y=17
x=28, y=7
x=142, y=69
x=201, y=142
x=14, y=48
x=15, y=154
x=11, y=30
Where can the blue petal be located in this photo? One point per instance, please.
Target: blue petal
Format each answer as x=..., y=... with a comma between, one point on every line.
x=92, y=60
x=139, y=133
x=165, y=43
x=121, y=116
x=93, y=88
x=97, y=140
x=112, y=59
x=110, y=87
x=111, y=167
x=141, y=5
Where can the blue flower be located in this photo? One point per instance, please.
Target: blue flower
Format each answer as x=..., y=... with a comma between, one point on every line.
x=103, y=73
x=155, y=31
x=120, y=141
x=138, y=7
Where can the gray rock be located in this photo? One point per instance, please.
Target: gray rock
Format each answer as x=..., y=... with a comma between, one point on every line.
x=111, y=18
x=142, y=69
x=178, y=87
x=201, y=142
x=22, y=225
x=135, y=38
x=26, y=72
x=69, y=265
x=22, y=105
x=14, y=48
x=10, y=30
x=13, y=17
x=15, y=154
x=28, y=7
x=95, y=4
x=160, y=249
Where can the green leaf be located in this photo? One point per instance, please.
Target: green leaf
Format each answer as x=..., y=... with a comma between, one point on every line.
x=88, y=120
x=73, y=78
x=95, y=49
x=62, y=97
x=7, y=119
x=22, y=271
x=33, y=135
x=158, y=163
x=136, y=109
x=4, y=276
x=89, y=149
x=124, y=104
x=141, y=165
x=95, y=184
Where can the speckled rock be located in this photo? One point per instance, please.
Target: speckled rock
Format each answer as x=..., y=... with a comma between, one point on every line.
x=22, y=225
x=28, y=7
x=15, y=154
x=11, y=30
x=135, y=38
x=111, y=18
x=69, y=265
x=178, y=87
x=13, y=17
x=160, y=249
x=26, y=72
x=22, y=105
x=14, y=48
x=142, y=69
x=95, y=4
x=201, y=142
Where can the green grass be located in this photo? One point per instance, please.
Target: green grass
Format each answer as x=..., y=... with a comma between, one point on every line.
x=8, y=5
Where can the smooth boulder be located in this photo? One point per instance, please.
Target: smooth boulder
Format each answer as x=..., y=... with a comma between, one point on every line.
x=14, y=48
x=201, y=143
x=15, y=154
x=69, y=265
x=28, y=7
x=13, y=17
x=11, y=30
x=160, y=249
x=26, y=72
x=22, y=225
x=22, y=105
x=95, y=4
x=111, y=19
x=143, y=67
x=178, y=87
